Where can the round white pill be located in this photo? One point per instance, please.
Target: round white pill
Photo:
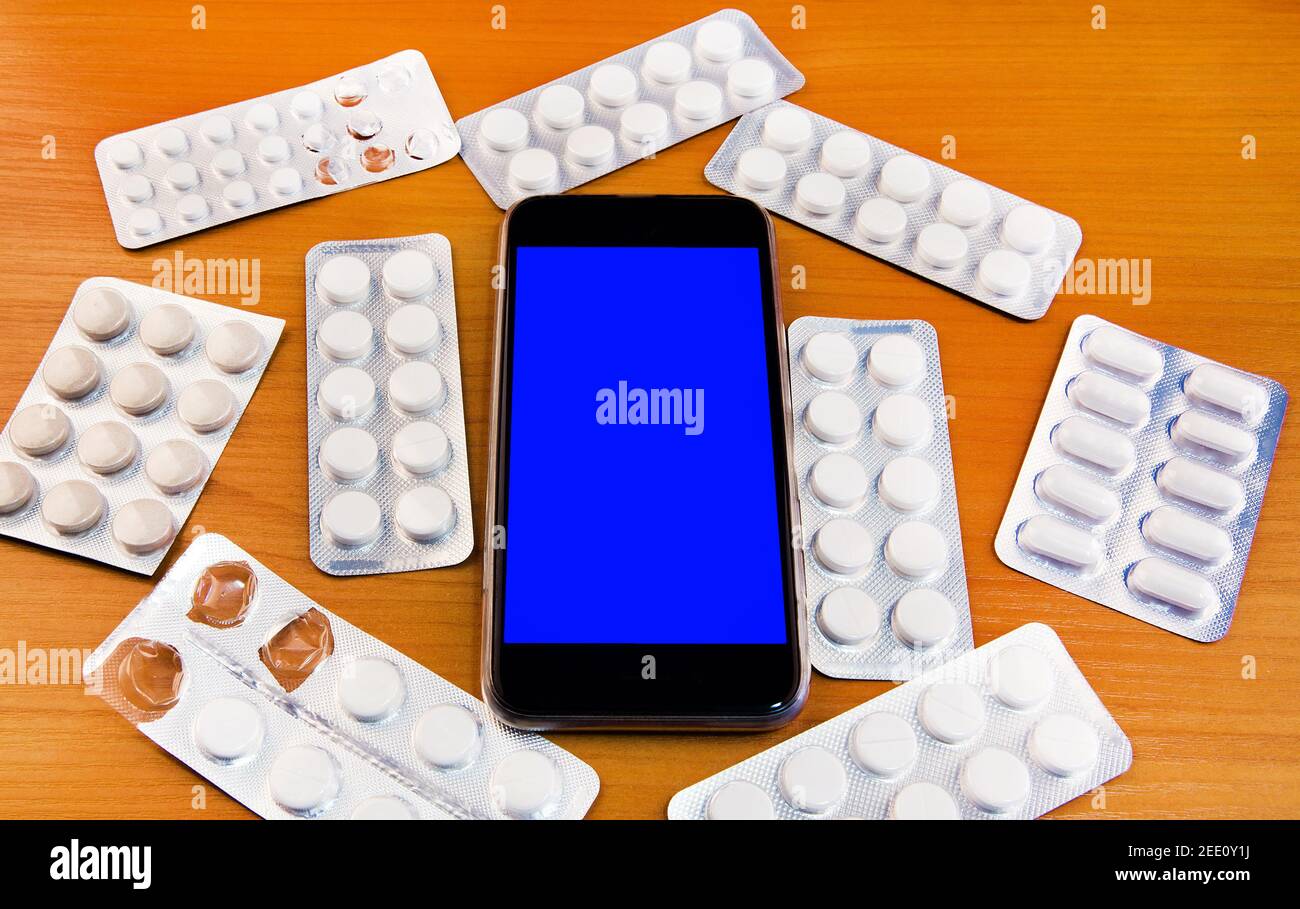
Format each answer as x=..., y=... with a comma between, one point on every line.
x=343, y=280
x=908, y=484
x=175, y=466
x=612, y=85
x=425, y=514
x=667, y=62
x=125, y=154
x=644, y=123
x=144, y=222
x=448, y=736
x=217, y=129
x=1064, y=745
x=813, y=780
x=905, y=178
x=761, y=168
x=849, y=616
x=751, y=77
x=136, y=188
x=285, y=181
x=351, y=518
x=923, y=802
x=304, y=780
x=345, y=335
x=227, y=163
x=349, y=454
x=589, y=146
x=413, y=329
x=107, y=447
x=261, y=117
x=307, y=105
x=504, y=129
x=234, y=347
x=881, y=220
x=846, y=154
x=843, y=546
x=916, y=550
x=833, y=417
x=144, y=526
x=719, y=41
x=239, y=194
x=39, y=429
x=1021, y=677
x=533, y=168
x=952, y=712
x=820, y=193
x=416, y=388
x=206, y=406
x=902, y=421
x=346, y=393
x=698, y=100
x=995, y=780
x=1004, y=272
x=941, y=245
x=72, y=506
x=896, y=361
x=924, y=618
x=371, y=689
x=883, y=744
x=383, y=808
x=71, y=372
x=526, y=784
x=139, y=389
x=192, y=207
x=229, y=729
x=1028, y=228
x=171, y=141
x=421, y=448
x=839, y=480
x=168, y=329
x=739, y=800
x=787, y=129
x=182, y=175
x=829, y=356
x=16, y=486
x=273, y=150
x=965, y=203
x=560, y=106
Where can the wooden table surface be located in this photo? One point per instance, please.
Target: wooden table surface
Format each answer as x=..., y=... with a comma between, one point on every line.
x=1136, y=130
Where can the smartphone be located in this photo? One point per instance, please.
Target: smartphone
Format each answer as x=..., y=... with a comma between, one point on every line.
x=640, y=559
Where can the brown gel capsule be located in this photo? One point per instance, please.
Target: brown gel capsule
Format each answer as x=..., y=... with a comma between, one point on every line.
x=223, y=594
x=293, y=653
x=148, y=676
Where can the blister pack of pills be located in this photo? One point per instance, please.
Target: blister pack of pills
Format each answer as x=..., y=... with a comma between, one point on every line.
x=624, y=108
x=968, y=236
x=297, y=713
x=378, y=121
x=883, y=568
x=114, y=439
x=1009, y=731
x=1144, y=479
x=386, y=459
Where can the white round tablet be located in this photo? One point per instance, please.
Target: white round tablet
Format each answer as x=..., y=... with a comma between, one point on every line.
x=905, y=178
x=761, y=168
x=667, y=62
x=1004, y=272
x=416, y=388
x=739, y=800
x=234, y=347
x=883, y=744
x=698, y=100
x=902, y=421
x=612, y=85
x=425, y=514
x=182, y=175
x=849, y=616
x=995, y=780
x=171, y=141
x=206, y=405
x=916, y=550
x=136, y=188
x=923, y=802
x=952, y=712
x=526, y=784
x=833, y=417
x=228, y=163
x=719, y=41
x=421, y=448
x=239, y=194
x=644, y=123
x=787, y=129
x=217, y=129
x=590, y=146
x=39, y=429
x=504, y=129
x=304, y=780
x=192, y=207
x=908, y=484
x=144, y=222
x=345, y=335
x=448, y=736
x=413, y=329
x=751, y=78
x=560, y=106
x=285, y=181
x=176, y=466
x=924, y=618
x=533, y=168
x=16, y=486
x=307, y=105
x=144, y=526
x=1029, y=229
x=1021, y=677
x=965, y=203
x=139, y=389
x=843, y=546
x=107, y=447
x=343, y=280
x=941, y=245
x=881, y=220
x=1064, y=744
x=383, y=808
x=72, y=506
x=820, y=193
x=351, y=518
x=846, y=154
x=348, y=454
x=229, y=729
x=274, y=150
x=896, y=361
x=409, y=274
x=125, y=154
x=261, y=117
x=167, y=329
x=346, y=393
x=839, y=480
x=813, y=780
x=71, y=372
x=829, y=356
x=371, y=689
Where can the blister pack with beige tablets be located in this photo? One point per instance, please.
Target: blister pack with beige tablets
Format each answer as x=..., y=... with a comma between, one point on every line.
x=960, y=233
x=297, y=713
x=112, y=442
x=625, y=108
x=1011, y=730
x=386, y=460
x=883, y=568
x=1144, y=479
x=378, y=121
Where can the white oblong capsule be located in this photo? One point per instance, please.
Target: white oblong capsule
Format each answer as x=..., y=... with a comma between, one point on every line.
x=1220, y=387
x=1104, y=448
x=1054, y=539
x=1122, y=352
x=1201, y=485
x=1169, y=583
x=1077, y=493
x=1194, y=431
x=1173, y=528
x=1110, y=397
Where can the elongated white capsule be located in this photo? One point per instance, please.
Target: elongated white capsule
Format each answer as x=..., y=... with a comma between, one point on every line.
x=1078, y=494
x=1220, y=387
x=1054, y=539
x=1196, y=483
x=1107, y=449
x=1175, y=529
x=1122, y=352
x=1194, y=431
x=1173, y=584
x=1110, y=397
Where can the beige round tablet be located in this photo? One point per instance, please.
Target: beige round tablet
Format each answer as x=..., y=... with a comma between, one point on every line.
x=206, y=406
x=71, y=372
x=72, y=506
x=101, y=314
x=168, y=329
x=175, y=466
x=144, y=526
x=16, y=486
x=39, y=429
x=234, y=346
x=107, y=447
x=139, y=389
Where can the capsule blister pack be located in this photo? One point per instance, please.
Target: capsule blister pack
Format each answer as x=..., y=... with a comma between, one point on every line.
x=968, y=236
x=114, y=439
x=1009, y=731
x=378, y=121
x=297, y=713
x=1144, y=479
x=625, y=108
x=386, y=456
x=884, y=572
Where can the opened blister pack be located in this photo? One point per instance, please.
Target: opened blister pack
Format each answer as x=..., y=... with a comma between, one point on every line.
x=1143, y=482
x=625, y=108
x=386, y=459
x=963, y=234
x=297, y=713
x=114, y=439
x=883, y=566
x=374, y=122
x=1010, y=730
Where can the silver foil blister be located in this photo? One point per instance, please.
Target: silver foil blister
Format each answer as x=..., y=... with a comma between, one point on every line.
x=1139, y=489
x=399, y=90
x=884, y=655
x=181, y=370
x=769, y=784
x=391, y=551
x=492, y=166
x=1045, y=267
x=373, y=759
